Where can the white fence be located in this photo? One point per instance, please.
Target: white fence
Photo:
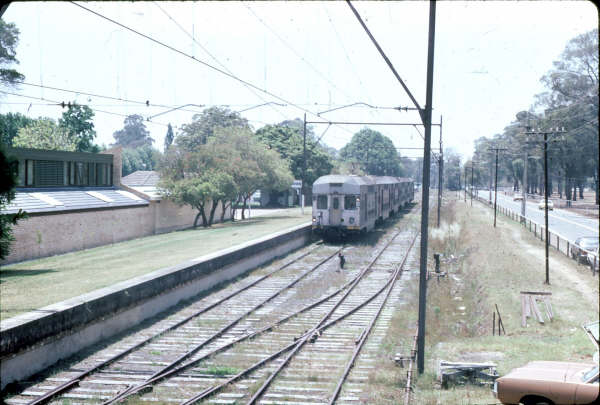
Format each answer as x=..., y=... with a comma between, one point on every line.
x=557, y=241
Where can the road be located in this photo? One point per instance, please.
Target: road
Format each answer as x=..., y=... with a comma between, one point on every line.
x=567, y=224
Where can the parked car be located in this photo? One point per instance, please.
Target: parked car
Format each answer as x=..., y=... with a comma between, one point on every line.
x=542, y=204
x=517, y=197
x=594, y=261
x=581, y=247
x=552, y=382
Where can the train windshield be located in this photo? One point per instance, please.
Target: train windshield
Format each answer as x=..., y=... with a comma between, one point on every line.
x=322, y=202
x=350, y=202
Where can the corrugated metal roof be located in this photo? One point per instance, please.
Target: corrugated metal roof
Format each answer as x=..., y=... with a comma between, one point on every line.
x=141, y=178
x=69, y=199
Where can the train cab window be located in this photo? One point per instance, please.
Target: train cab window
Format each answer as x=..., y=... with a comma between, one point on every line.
x=350, y=202
x=322, y=202
x=336, y=203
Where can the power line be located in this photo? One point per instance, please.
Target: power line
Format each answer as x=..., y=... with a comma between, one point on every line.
x=125, y=100
x=232, y=76
x=62, y=103
x=346, y=53
x=214, y=57
x=302, y=58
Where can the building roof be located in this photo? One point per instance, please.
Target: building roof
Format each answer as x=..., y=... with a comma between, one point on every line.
x=147, y=178
x=45, y=200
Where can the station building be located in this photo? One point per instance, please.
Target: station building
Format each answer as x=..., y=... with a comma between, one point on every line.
x=78, y=200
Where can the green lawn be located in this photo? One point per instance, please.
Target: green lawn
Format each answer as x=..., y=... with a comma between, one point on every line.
x=29, y=285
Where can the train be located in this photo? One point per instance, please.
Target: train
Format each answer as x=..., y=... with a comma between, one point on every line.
x=350, y=204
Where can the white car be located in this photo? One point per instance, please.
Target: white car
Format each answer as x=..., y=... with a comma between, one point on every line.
x=541, y=205
x=518, y=197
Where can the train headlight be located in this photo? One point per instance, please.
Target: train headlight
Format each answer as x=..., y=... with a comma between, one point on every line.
x=351, y=220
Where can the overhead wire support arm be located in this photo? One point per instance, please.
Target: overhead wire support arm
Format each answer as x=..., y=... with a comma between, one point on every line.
x=399, y=108
x=367, y=123
x=421, y=111
x=173, y=109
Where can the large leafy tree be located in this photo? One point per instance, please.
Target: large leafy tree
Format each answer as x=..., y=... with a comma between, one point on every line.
x=287, y=139
x=571, y=101
x=9, y=38
x=452, y=170
x=43, y=133
x=134, y=133
x=78, y=123
x=10, y=123
x=231, y=166
x=204, y=125
x=143, y=158
x=7, y=194
x=374, y=152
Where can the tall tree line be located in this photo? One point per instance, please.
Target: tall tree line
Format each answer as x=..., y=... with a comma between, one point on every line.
x=570, y=101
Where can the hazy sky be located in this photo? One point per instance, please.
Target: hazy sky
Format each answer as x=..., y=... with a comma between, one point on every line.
x=489, y=57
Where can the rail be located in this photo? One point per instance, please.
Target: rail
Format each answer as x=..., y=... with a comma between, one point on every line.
x=75, y=380
x=295, y=346
x=556, y=240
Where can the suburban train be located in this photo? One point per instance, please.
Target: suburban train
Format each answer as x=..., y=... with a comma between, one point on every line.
x=346, y=204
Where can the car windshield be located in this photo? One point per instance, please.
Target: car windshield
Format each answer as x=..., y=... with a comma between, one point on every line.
x=588, y=375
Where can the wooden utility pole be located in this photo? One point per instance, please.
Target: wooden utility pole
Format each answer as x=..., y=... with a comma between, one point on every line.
x=550, y=131
x=496, y=183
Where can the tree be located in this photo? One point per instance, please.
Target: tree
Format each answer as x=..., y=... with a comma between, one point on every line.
x=203, y=126
x=230, y=167
x=9, y=38
x=197, y=191
x=287, y=139
x=43, y=133
x=134, y=133
x=77, y=122
x=452, y=170
x=169, y=137
x=143, y=158
x=7, y=194
x=572, y=101
x=10, y=124
x=374, y=152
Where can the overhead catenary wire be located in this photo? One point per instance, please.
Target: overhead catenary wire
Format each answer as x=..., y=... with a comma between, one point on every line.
x=214, y=58
x=302, y=58
x=346, y=53
x=60, y=103
x=182, y=53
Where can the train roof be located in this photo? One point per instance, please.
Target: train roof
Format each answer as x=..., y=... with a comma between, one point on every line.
x=345, y=179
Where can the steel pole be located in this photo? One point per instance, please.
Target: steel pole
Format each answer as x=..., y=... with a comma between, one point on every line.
x=465, y=184
x=471, y=184
x=495, y=188
x=546, y=206
x=439, y=204
x=425, y=195
x=303, y=167
x=524, y=191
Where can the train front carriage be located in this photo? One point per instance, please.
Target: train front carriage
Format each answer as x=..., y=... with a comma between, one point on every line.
x=340, y=204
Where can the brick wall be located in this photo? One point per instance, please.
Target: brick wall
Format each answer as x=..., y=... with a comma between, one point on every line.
x=47, y=235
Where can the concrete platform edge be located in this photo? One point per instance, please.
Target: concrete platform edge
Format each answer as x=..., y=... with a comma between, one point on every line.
x=34, y=341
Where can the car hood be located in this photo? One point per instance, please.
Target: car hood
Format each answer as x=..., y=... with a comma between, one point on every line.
x=558, y=371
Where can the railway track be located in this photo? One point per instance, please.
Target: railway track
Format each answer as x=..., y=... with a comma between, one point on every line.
x=281, y=335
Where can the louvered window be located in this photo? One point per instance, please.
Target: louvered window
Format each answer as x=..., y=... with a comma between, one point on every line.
x=48, y=173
